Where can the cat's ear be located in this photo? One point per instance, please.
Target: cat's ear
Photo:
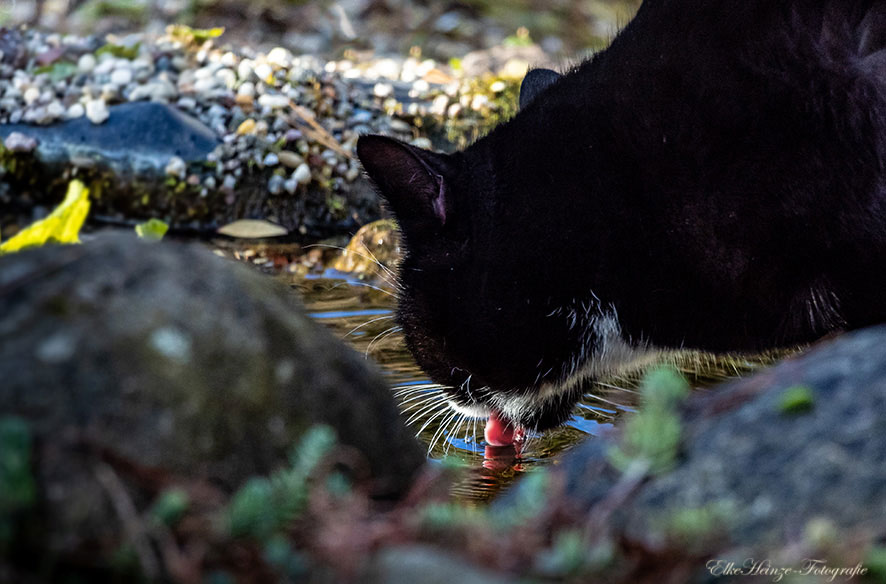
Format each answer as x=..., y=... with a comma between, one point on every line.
x=412, y=180
x=536, y=81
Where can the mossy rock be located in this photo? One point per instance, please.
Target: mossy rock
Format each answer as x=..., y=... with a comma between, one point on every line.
x=165, y=364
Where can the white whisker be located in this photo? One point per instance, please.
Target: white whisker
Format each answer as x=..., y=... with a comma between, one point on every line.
x=368, y=322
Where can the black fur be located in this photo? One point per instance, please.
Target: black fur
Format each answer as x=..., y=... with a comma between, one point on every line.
x=716, y=178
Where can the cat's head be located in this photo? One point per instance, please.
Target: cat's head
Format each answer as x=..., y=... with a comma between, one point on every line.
x=485, y=303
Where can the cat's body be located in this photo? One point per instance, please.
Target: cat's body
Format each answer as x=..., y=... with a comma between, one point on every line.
x=715, y=179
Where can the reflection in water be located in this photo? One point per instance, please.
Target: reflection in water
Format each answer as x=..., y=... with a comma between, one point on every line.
x=363, y=315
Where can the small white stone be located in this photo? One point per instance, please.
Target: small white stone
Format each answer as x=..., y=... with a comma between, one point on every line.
x=280, y=57
x=383, y=89
x=229, y=59
x=186, y=103
x=245, y=69
x=226, y=77
x=32, y=94
x=105, y=65
x=75, y=111
x=247, y=89
x=18, y=142
x=271, y=159
x=438, y=106
x=302, y=174
x=422, y=142
x=272, y=101
x=400, y=126
x=97, y=111
x=479, y=102
x=55, y=110
x=86, y=63
x=204, y=85
x=121, y=76
x=176, y=167
x=263, y=70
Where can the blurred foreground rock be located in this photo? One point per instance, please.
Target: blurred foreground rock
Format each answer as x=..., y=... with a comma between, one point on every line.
x=792, y=456
x=165, y=363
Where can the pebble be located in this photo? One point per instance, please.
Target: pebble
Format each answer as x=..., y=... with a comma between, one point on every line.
x=275, y=184
x=32, y=94
x=55, y=110
x=279, y=57
x=186, y=103
x=176, y=167
x=121, y=76
x=382, y=89
x=302, y=174
x=18, y=142
x=246, y=89
x=75, y=111
x=97, y=111
x=247, y=127
x=246, y=96
x=86, y=63
x=273, y=101
x=290, y=158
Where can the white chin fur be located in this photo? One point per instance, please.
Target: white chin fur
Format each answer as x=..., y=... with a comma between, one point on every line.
x=471, y=411
x=604, y=351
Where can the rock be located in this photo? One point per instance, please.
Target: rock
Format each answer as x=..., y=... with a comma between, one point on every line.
x=416, y=563
x=161, y=360
x=290, y=159
x=383, y=89
x=121, y=76
x=302, y=174
x=13, y=49
x=247, y=127
x=768, y=456
x=75, y=111
x=272, y=101
x=97, y=111
x=18, y=142
x=176, y=167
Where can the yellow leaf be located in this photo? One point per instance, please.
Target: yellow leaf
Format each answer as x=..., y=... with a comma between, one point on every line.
x=61, y=226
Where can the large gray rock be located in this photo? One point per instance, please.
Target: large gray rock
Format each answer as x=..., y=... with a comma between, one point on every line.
x=762, y=467
x=163, y=357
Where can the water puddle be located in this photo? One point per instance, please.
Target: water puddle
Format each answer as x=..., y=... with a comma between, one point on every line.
x=362, y=314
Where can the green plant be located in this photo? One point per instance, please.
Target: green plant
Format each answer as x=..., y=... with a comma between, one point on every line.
x=652, y=435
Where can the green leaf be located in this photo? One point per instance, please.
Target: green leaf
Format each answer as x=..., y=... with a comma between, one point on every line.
x=58, y=71
x=152, y=229
x=120, y=51
x=170, y=506
x=188, y=35
x=651, y=437
x=61, y=226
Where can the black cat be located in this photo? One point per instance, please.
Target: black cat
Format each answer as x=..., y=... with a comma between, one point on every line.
x=715, y=179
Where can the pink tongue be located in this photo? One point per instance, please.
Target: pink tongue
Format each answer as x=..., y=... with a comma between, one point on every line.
x=501, y=432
